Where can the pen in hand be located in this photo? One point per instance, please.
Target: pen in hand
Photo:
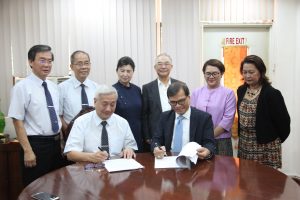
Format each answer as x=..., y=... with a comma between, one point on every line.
x=103, y=150
x=100, y=148
x=159, y=147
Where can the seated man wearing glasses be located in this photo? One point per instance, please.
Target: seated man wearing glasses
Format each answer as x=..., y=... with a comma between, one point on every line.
x=183, y=124
x=77, y=92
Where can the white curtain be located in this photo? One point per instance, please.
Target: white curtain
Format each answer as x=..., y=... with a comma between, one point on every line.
x=106, y=29
x=181, y=38
x=237, y=11
x=6, y=79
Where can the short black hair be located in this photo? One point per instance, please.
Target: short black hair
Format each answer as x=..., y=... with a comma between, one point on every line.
x=215, y=63
x=72, y=58
x=125, y=61
x=38, y=48
x=175, y=87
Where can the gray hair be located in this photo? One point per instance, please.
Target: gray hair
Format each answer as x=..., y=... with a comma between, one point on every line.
x=72, y=58
x=105, y=90
x=162, y=54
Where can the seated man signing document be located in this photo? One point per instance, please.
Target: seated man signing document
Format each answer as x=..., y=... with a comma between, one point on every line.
x=183, y=124
x=100, y=133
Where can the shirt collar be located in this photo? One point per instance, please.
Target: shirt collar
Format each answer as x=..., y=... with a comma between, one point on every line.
x=186, y=115
x=162, y=84
x=36, y=79
x=121, y=85
x=214, y=89
x=77, y=83
x=98, y=120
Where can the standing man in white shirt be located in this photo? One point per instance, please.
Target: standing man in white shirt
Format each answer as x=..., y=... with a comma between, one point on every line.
x=34, y=109
x=73, y=91
x=154, y=96
x=100, y=133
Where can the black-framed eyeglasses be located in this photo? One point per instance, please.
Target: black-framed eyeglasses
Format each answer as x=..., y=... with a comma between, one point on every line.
x=213, y=74
x=179, y=102
x=81, y=64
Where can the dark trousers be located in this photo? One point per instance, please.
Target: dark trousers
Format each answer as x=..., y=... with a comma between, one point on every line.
x=146, y=147
x=48, y=157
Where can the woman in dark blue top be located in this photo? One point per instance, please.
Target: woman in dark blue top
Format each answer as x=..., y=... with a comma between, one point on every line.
x=129, y=104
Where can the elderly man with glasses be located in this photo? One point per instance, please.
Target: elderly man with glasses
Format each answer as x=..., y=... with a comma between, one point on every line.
x=183, y=124
x=77, y=92
x=154, y=98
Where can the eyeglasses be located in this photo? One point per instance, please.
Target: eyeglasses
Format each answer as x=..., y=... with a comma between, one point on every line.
x=164, y=64
x=81, y=64
x=44, y=61
x=179, y=102
x=94, y=166
x=213, y=74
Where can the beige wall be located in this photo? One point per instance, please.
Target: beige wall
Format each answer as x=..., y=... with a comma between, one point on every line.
x=285, y=69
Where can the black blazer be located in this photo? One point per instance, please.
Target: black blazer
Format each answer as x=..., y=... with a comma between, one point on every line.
x=151, y=108
x=201, y=130
x=272, y=117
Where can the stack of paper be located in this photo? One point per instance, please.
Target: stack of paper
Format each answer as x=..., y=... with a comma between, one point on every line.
x=187, y=155
x=122, y=164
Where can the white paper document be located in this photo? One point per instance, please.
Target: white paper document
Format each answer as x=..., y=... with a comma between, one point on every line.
x=166, y=162
x=187, y=155
x=122, y=164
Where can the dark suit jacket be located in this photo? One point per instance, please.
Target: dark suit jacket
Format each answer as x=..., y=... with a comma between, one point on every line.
x=272, y=117
x=201, y=130
x=151, y=108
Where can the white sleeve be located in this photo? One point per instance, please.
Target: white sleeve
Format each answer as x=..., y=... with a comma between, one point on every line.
x=129, y=138
x=18, y=103
x=75, y=140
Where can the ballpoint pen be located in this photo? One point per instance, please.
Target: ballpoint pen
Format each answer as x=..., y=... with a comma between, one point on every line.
x=159, y=147
x=100, y=148
x=108, y=157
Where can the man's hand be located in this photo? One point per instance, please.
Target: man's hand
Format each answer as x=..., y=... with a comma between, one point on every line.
x=203, y=153
x=128, y=153
x=29, y=158
x=99, y=156
x=159, y=152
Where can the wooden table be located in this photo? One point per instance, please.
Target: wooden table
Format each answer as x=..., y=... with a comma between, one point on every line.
x=220, y=178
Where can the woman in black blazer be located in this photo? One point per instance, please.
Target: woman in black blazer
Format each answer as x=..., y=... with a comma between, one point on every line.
x=264, y=122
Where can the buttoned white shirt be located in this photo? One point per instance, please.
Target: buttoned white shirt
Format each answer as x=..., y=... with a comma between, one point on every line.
x=85, y=135
x=70, y=97
x=28, y=103
x=162, y=88
x=186, y=127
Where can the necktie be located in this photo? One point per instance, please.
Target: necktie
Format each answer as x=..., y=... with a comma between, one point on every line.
x=84, y=99
x=177, y=146
x=51, y=109
x=104, y=137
